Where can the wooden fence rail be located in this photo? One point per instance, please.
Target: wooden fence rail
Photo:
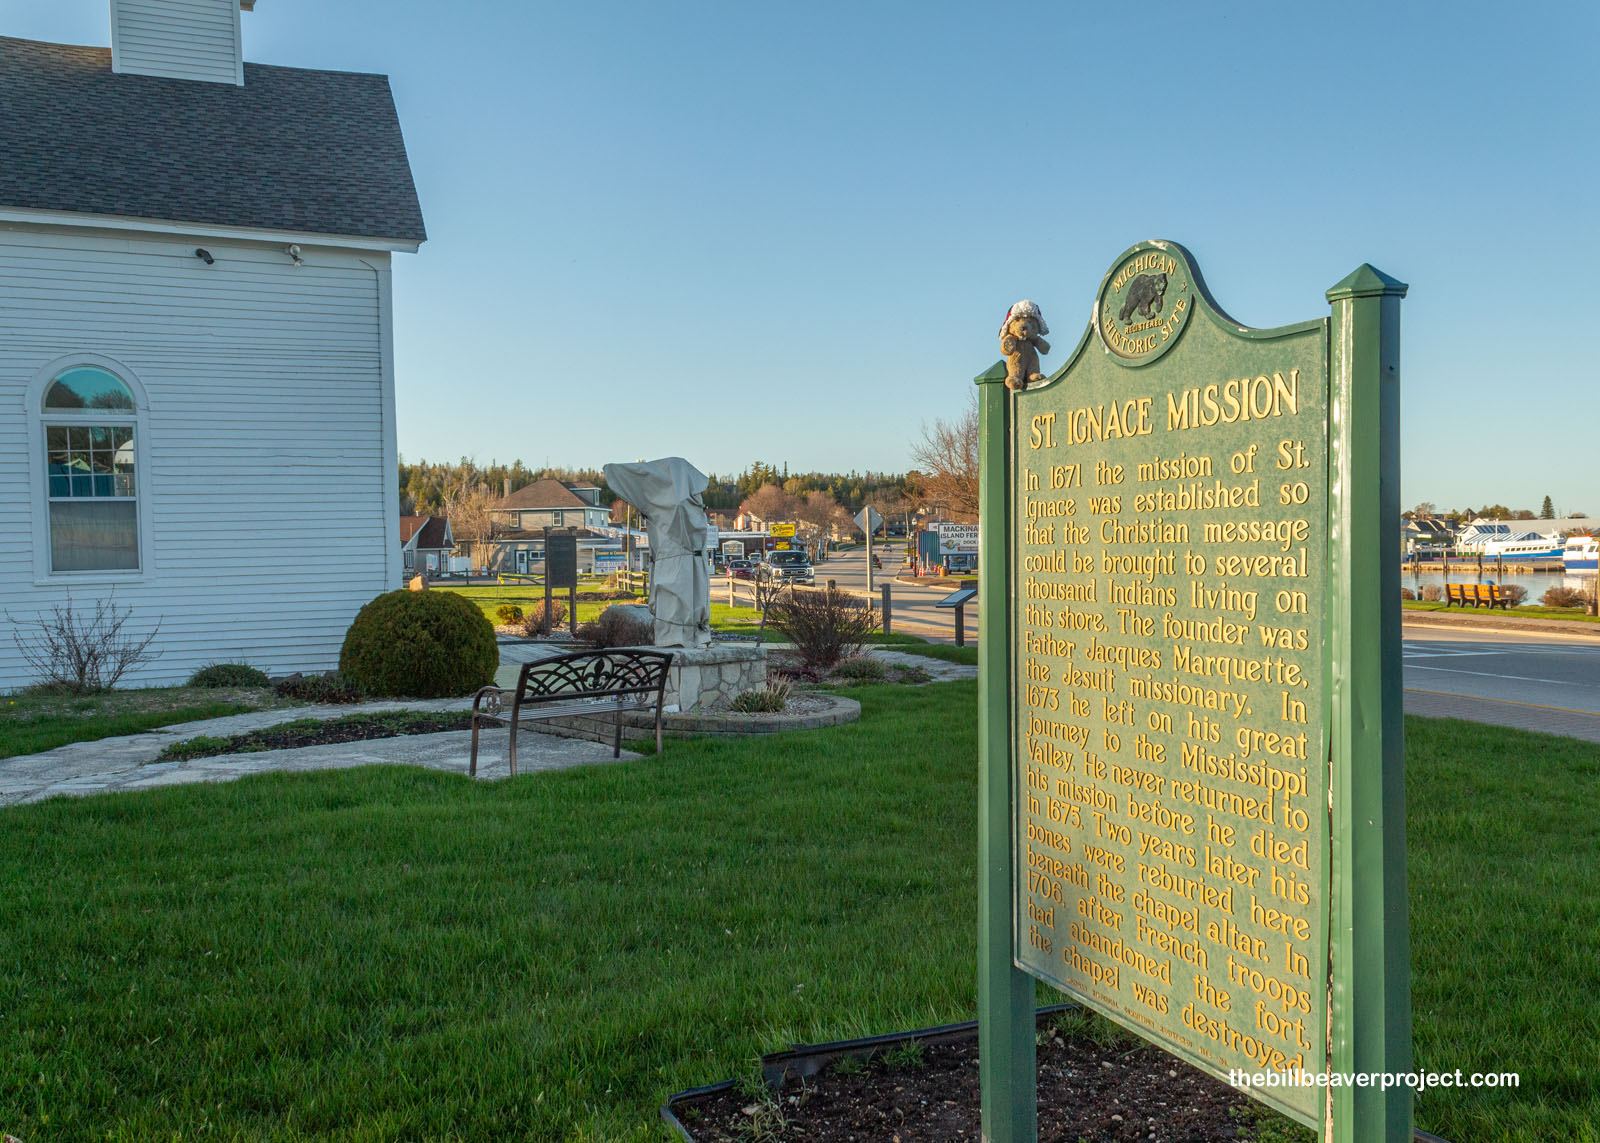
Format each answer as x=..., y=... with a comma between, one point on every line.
x=749, y=593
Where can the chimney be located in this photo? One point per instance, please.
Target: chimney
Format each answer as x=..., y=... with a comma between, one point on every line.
x=179, y=39
x=508, y=487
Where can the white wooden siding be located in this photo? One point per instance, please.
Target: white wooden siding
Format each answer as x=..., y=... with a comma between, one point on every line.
x=182, y=39
x=267, y=438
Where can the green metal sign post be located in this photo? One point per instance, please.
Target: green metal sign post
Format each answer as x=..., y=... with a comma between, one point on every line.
x=1191, y=804
x=1371, y=999
x=1007, y=1071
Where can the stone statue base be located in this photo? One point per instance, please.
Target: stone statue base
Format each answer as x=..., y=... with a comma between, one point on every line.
x=709, y=678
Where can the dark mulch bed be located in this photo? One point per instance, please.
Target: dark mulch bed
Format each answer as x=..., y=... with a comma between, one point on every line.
x=1093, y=1088
x=319, y=732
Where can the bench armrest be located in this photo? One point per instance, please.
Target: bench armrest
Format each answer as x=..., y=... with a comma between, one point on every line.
x=496, y=697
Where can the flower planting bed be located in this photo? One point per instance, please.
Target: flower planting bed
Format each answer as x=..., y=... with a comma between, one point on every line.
x=1096, y=1083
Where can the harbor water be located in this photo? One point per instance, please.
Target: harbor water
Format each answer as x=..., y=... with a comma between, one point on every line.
x=1537, y=583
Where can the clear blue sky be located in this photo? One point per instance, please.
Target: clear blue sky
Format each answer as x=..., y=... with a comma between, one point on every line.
x=789, y=232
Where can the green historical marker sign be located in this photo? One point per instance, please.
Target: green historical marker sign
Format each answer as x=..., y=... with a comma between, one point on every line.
x=1172, y=722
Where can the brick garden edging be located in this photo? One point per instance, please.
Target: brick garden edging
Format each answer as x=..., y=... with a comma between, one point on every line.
x=637, y=725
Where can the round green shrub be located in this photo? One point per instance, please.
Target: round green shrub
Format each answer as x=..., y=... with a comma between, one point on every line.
x=229, y=675
x=508, y=613
x=420, y=644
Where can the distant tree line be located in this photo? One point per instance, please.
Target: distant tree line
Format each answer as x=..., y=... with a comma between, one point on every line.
x=1547, y=511
x=851, y=491
x=466, y=492
x=426, y=488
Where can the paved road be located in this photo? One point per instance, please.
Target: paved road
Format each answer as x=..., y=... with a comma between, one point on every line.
x=913, y=604
x=1543, y=670
x=1535, y=681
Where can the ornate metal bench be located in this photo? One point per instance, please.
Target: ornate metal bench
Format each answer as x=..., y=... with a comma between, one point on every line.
x=584, y=683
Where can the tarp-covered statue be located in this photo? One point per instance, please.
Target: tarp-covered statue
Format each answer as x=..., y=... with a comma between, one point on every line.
x=667, y=493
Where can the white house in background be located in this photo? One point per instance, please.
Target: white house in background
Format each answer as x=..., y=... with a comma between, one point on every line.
x=426, y=544
x=196, y=339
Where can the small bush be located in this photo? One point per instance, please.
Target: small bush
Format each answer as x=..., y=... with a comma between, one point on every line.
x=1564, y=597
x=426, y=644
x=1407, y=593
x=1432, y=593
x=617, y=627
x=770, y=699
x=229, y=675
x=81, y=652
x=334, y=688
x=794, y=673
x=824, y=625
x=541, y=620
x=1515, y=592
x=860, y=667
x=508, y=614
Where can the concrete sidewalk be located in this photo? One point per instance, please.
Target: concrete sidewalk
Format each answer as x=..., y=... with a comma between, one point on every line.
x=1496, y=712
x=129, y=763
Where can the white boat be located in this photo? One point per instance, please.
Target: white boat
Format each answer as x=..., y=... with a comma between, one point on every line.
x=1475, y=535
x=1526, y=546
x=1582, y=553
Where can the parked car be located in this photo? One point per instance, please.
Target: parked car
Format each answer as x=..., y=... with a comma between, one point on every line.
x=741, y=569
x=789, y=567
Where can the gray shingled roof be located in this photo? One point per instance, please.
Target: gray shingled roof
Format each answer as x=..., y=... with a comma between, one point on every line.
x=312, y=152
x=546, y=493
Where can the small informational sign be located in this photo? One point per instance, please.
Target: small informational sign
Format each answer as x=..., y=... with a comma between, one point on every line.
x=733, y=549
x=561, y=559
x=958, y=539
x=782, y=531
x=608, y=561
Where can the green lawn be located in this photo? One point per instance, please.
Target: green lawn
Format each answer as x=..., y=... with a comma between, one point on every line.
x=743, y=620
x=916, y=645
x=31, y=721
x=1505, y=927
x=398, y=954
x=1532, y=611
x=489, y=598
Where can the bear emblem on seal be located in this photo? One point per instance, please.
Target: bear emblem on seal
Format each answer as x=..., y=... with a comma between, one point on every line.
x=1145, y=294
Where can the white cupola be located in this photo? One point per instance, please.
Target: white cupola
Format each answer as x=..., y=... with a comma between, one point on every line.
x=179, y=39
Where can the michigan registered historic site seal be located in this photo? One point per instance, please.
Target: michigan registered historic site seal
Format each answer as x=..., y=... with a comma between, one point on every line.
x=1144, y=302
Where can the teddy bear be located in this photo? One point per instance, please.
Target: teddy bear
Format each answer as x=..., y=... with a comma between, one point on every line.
x=1021, y=342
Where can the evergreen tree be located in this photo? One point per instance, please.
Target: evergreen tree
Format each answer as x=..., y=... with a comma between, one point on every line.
x=1548, y=511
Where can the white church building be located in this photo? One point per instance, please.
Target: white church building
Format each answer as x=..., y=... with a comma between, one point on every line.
x=196, y=340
